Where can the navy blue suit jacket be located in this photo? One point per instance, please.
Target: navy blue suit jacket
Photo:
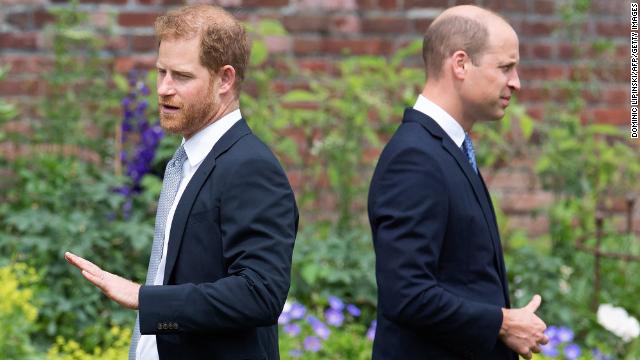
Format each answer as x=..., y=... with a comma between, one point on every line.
x=439, y=264
x=228, y=263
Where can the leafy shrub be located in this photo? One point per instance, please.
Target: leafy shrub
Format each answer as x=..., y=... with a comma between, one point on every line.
x=18, y=312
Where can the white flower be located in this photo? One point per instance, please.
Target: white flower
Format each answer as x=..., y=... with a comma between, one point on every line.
x=618, y=321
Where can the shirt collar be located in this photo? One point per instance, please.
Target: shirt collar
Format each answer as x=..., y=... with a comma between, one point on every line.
x=201, y=143
x=442, y=118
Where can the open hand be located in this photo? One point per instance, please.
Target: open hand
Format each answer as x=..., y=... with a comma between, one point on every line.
x=522, y=330
x=118, y=289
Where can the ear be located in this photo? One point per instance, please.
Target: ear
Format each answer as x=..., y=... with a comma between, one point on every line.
x=460, y=62
x=227, y=76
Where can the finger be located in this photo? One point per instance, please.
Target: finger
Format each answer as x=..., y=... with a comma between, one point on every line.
x=527, y=356
x=536, y=349
x=81, y=263
x=534, y=303
x=96, y=280
x=544, y=340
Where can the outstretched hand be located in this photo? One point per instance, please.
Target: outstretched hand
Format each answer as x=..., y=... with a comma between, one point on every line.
x=522, y=330
x=118, y=289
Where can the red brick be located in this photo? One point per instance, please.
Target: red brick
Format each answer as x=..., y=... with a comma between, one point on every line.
x=26, y=63
x=12, y=87
x=535, y=111
x=566, y=51
x=317, y=65
x=23, y=41
x=612, y=28
x=42, y=17
x=533, y=94
x=118, y=2
x=366, y=4
x=502, y=6
x=509, y=179
x=124, y=64
x=525, y=202
x=20, y=20
x=264, y=3
x=117, y=43
x=137, y=19
x=544, y=7
x=541, y=51
x=143, y=43
x=538, y=28
x=408, y=4
x=356, y=46
x=388, y=4
x=542, y=72
x=615, y=96
x=278, y=44
x=306, y=46
x=303, y=23
x=391, y=25
x=608, y=7
x=349, y=24
x=614, y=116
x=421, y=25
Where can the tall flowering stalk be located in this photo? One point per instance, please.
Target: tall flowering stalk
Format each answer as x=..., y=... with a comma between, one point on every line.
x=138, y=137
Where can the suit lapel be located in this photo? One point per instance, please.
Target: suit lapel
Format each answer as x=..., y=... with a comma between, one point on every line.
x=183, y=210
x=474, y=179
x=501, y=266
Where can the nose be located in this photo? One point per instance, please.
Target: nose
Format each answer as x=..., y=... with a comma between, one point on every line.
x=514, y=81
x=165, y=85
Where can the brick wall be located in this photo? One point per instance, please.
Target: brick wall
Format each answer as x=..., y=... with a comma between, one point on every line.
x=320, y=32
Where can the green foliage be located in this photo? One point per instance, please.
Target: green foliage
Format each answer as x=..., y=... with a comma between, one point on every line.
x=59, y=204
x=348, y=342
x=327, y=263
x=116, y=347
x=18, y=312
x=499, y=142
x=337, y=118
x=79, y=97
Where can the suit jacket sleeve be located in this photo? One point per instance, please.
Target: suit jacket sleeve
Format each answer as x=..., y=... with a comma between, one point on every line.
x=409, y=212
x=258, y=219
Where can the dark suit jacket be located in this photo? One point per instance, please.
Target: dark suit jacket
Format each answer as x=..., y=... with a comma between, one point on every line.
x=439, y=265
x=229, y=258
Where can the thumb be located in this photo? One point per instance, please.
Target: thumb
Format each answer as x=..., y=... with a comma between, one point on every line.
x=534, y=304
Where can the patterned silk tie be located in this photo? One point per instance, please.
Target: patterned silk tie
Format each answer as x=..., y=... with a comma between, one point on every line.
x=467, y=148
x=172, y=178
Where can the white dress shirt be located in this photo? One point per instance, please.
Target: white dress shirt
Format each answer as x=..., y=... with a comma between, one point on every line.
x=197, y=148
x=442, y=118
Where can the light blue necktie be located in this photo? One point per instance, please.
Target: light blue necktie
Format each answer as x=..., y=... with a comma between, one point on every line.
x=467, y=148
x=170, y=184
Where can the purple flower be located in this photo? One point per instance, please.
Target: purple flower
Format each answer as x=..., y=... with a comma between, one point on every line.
x=295, y=353
x=318, y=327
x=353, y=310
x=312, y=343
x=297, y=311
x=335, y=303
x=564, y=334
x=334, y=317
x=284, y=318
x=550, y=349
x=599, y=355
x=572, y=351
x=371, y=332
x=552, y=333
x=292, y=329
